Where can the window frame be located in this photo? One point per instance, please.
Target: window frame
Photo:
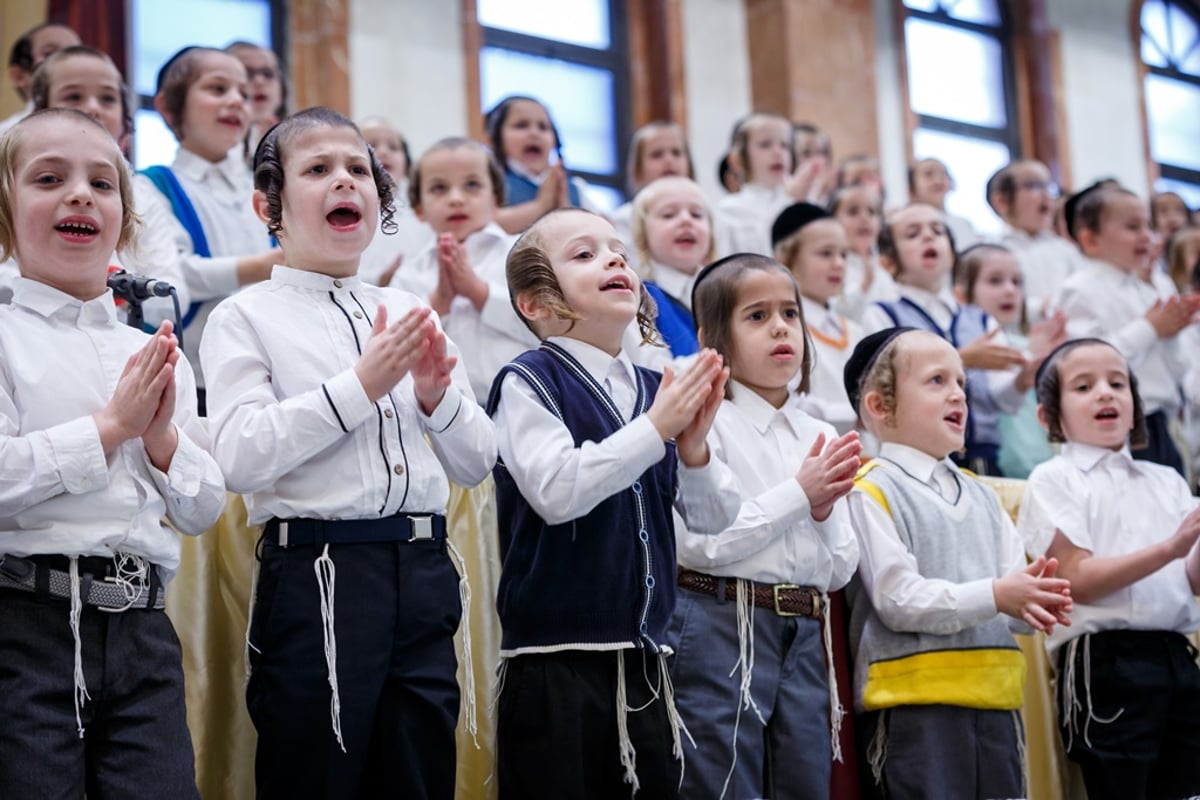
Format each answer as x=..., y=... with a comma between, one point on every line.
x=616, y=59
x=1157, y=169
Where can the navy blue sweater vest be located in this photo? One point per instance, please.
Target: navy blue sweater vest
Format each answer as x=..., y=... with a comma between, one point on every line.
x=519, y=189
x=607, y=577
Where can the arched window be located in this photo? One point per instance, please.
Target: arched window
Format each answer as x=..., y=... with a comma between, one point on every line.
x=1171, y=52
x=571, y=55
x=960, y=95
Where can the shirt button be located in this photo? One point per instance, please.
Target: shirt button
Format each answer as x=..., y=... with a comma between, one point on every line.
x=85, y=483
x=358, y=315
x=387, y=412
x=338, y=284
x=398, y=469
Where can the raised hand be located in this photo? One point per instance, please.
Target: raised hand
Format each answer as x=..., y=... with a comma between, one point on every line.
x=828, y=471
x=1035, y=596
x=679, y=398
x=432, y=374
x=691, y=444
x=1170, y=316
x=160, y=437
x=139, y=393
x=984, y=353
x=392, y=351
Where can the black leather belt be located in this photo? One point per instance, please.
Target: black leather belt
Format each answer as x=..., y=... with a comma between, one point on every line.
x=398, y=528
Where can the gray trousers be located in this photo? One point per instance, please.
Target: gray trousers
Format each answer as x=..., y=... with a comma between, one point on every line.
x=947, y=751
x=790, y=755
x=136, y=741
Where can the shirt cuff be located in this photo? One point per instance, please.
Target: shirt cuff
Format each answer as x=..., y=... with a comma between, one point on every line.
x=445, y=414
x=977, y=600
x=640, y=443
x=1140, y=336
x=348, y=400
x=785, y=504
x=182, y=478
x=79, y=456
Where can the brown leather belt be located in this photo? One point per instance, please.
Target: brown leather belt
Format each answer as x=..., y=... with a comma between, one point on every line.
x=785, y=599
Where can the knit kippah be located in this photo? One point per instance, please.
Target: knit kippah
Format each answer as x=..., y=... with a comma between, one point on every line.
x=793, y=218
x=865, y=354
x=162, y=72
x=1072, y=205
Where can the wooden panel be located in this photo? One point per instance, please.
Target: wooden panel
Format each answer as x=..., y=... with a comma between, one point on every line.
x=656, y=83
x=1135, y=30
x=472, y=43
x=1037, y=78
x=814, y=60
x=319, y=53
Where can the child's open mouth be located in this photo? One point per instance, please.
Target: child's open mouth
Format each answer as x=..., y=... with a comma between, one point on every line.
x=344, y=217
x=955, y=420
x=783, y=352
x=1107, y=415
x=455, y=219
x=617, y=283
x=77, y=229
x=232, y=122
x=685, y=239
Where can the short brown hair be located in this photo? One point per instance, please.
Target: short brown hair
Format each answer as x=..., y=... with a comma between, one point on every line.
x=1182, y=272
x=495, y=175
x=43, y=80
x=1049, y=393
x=1089, y=213
x=271, y=153
x=741, y=139
x=176, y=78
x=714, y=302
x=529, y=272
x=10, y=151
x=881, y=378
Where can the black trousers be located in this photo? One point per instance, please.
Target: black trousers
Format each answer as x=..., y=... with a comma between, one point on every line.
x=1160, y=447
x=1150, y=682
x=556, y=728
x=396, y=608
x=136, y=741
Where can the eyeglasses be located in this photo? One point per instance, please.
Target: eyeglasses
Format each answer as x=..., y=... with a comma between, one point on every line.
x=1038, y=186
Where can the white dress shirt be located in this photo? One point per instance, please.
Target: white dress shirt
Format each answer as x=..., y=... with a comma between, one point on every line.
x=833, y=339
x=12, y=120
x=562, y=482
x=774, y=539
x=854, y=302
x=411, y=237
x=905, y=599
x=746, y=218
x=8, y=276
x=1104, y=302
x=489, y=337
x=1110, y=504
x=1047, y=260
x=292, y=427
x=221, y=194
x=60, y=360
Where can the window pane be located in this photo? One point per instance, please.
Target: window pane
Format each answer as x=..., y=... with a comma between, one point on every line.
x=580, y=100
x=954, y=74
x=1174, y=117
x=970, y=162
x=1154, y=33
x=983, y=12
x=160, y=29
x=1190, y=192
x=922, y=5
x=1183, y=32
x=583, y=22
x=153, y=141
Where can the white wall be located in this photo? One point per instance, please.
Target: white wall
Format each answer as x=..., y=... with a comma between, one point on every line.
x=1100, y=83
x=407, y=64
x=716, y=62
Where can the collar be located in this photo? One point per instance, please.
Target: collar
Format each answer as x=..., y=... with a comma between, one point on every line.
x=231, y=168
x=1115, y=273
x=928, y=300
x=765, y=193
x=1024, y=237
x=46, y=301
x=759, y=412
x=1087, y=457
x=818, y=315
x=912, y=461
x=594, y=360
x=673, y=282
x=483, y=240
x=520, y=169
x=313, y=281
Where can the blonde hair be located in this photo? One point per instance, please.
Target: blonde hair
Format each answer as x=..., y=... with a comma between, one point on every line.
x=641, y=209
x=10, y=151
x=530, y=273
x=634, y=175
x=740, y=146
x=1179, y=267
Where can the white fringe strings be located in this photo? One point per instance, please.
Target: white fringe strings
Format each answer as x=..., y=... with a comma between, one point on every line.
x=666, y=691
x=877, y=749
x=80, y=693
x=837, y=712
x=464, y=595
x=326, y=574
x=250, y=621
x=1070, y=699
x=745, y=630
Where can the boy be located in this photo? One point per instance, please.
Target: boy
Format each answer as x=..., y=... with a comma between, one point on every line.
x=98, y=450
x=35, y=46
x=1022, y=194
x=1110, y=299
x=938, y=675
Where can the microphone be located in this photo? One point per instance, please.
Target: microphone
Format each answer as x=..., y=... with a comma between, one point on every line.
x=135, y=288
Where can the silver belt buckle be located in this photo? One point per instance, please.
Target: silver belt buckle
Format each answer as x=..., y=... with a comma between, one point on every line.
x=283, y=534
x=421, y=528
